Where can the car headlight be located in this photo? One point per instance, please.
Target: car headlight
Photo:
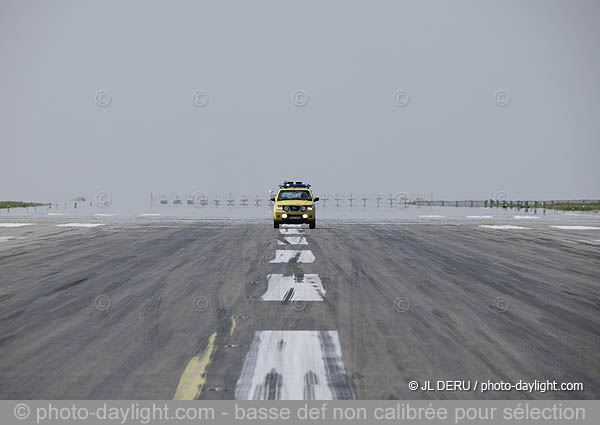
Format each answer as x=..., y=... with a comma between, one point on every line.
x=309, y=208
x=286, y=208
x=279, y=207
x=302, y=209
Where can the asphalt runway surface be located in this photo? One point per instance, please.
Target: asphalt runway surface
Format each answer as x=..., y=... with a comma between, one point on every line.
x=193, y=309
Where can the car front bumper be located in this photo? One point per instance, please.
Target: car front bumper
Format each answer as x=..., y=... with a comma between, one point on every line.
x=293, y=217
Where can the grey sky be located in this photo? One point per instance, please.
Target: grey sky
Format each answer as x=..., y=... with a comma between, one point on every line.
x=350, y=58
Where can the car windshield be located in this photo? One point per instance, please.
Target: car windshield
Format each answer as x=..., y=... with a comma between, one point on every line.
x=294, y=195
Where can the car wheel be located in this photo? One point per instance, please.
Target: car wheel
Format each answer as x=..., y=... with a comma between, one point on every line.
x=275, y=225
x=312, y=224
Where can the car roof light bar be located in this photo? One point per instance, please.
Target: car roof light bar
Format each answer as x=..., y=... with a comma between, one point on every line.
x=287, y=184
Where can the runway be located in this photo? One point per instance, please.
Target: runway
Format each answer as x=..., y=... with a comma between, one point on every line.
x=225, y=309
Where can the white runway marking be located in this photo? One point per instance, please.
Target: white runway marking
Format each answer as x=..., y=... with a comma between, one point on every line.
x=432, y=216
x=503, y=227
x=306, y=288
x=149, y=215
x=55, y=214
x=292, y=231
x=104, y=215
x=525, y=217
x=16, y=224
x=592, y=243
x=292, y=255
x=479, y=216
x=294, y=240
x=81, y=225
x=576, y=227
x=294, y=365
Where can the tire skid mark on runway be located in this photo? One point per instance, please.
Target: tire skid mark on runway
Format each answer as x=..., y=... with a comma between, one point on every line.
x=151, y=314
x=294, y=365
x=334, y=367
x=70, y=285
x=4, y=257
x=307, y=287
x=288, y=296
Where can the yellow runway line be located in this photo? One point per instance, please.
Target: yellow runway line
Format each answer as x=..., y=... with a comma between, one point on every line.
x=232, y=326
x=194, y=376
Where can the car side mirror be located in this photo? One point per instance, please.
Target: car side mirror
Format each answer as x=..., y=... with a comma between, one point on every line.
x=272, y=199
x=316, y=199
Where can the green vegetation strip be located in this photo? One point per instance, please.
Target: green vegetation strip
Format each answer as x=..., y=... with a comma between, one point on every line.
x=574, y=207
x=560, y=207
x=20, y=204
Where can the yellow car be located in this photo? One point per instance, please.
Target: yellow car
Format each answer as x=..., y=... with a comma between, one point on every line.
x=294, y=203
